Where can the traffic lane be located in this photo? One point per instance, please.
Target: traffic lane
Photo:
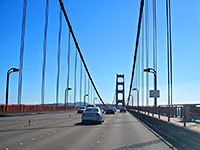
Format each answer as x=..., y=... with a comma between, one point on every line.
x=14, y=121
x=43, y=120
x=79, y=136
x=17, y=137
x=126, y=132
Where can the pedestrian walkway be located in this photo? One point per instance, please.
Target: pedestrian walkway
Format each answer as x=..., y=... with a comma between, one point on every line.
x=191, y=125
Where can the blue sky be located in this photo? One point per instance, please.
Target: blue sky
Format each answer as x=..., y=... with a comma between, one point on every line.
x=106, y=33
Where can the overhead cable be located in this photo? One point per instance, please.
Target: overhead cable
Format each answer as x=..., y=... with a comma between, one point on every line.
x=77, y=46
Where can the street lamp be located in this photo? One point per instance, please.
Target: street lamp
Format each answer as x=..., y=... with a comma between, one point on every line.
x=66, y=95
x=135, y=89
x=84, y=98
x=132, y=99
x=151, y=70
x=94, y=100
x=7, y=83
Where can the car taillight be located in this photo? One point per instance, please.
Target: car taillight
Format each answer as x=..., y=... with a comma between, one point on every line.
x=97, y=114
x=84, y=114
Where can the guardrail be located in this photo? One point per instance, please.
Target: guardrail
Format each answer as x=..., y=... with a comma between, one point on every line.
x=187, y=112
x=33, y=108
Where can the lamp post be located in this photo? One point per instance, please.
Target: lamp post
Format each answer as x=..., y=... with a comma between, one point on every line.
x=135, y=89
x=66, y=95
x=132, y=99
x=94, y=100
x=151, y=70
x=7, y=83
x=84, y=98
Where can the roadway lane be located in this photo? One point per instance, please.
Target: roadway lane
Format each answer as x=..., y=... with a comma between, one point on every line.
x=56, y=131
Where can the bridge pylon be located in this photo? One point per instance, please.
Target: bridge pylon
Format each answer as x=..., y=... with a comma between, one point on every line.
x=120, y=90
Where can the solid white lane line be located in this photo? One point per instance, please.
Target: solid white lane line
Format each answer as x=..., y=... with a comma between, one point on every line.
x=33, y=139
x=41, y=136
x=21, y=143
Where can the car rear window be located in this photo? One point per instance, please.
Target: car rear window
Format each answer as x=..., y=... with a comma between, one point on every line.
x=91, y=110
x=81, y=107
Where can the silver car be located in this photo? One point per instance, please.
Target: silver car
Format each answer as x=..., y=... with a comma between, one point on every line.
x=92, y=114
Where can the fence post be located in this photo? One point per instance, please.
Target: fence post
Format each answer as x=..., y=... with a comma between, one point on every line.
x=168, y=113
x=184, y=113
x=159, y=112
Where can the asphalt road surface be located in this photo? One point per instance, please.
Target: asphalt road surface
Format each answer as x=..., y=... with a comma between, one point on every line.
x=59, y=131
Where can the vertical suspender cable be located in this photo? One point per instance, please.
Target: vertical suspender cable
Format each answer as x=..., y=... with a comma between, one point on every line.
x=75, y=78
x=154, y=37
x=91, y=94
x=170, y=40
x=142, y=61
x=147, y=51
x=169, y=51
x=58, y=58
x=80, y=82
x=85, y=84
x=168, y=83
x=44, y=52
x=68, y=70
x=22, y=52
x=88, y=90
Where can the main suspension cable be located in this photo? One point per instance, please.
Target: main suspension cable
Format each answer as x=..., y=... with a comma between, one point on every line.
x=136, y=46
x=77, y=46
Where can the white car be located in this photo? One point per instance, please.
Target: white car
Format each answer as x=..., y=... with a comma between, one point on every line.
x=92, y=114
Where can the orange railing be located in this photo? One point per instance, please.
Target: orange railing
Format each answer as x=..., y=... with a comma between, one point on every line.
x=33, y=108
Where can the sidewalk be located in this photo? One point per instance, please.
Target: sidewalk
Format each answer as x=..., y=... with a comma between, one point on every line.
x=194, y=126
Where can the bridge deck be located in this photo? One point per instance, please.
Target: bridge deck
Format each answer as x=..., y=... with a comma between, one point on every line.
x=58, y=131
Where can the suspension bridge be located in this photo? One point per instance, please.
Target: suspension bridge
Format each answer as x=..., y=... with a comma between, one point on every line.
x=43, y=120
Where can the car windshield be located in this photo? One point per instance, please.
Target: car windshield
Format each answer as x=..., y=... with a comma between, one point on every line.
x=91, y=110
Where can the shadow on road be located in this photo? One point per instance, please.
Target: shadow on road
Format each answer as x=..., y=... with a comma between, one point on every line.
x=140, y=145
x=86, y=124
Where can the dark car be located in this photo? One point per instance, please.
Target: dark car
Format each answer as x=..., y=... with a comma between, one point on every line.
x=123, y=109
x=91, y=105
x=110, y=111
